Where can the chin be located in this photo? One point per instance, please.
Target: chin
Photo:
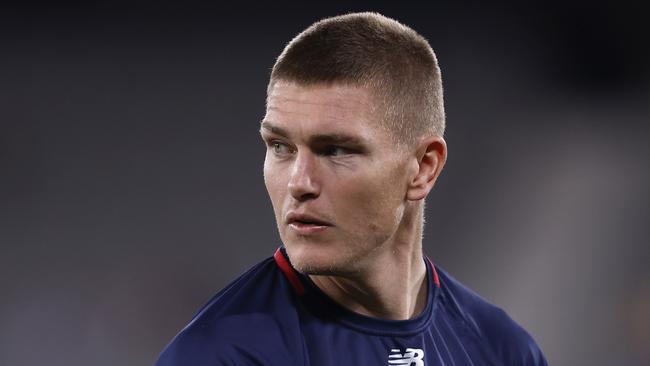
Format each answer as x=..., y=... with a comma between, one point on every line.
x=315, y=259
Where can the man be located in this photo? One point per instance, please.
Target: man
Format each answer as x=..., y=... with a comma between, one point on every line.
x=354, y=134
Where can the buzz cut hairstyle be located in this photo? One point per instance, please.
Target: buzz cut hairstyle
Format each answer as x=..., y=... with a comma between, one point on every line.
x=392, y=61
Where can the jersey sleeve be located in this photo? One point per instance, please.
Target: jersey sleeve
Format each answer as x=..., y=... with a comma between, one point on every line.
x=252, y=321
x=251, y=339
x=187, y=352
x=498, y=337
x=512, y=344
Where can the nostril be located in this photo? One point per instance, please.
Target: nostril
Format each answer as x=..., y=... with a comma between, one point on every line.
x=305, y=196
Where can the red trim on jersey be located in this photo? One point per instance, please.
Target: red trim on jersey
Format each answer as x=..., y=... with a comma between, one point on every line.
x=284, y=265
x=436, y=280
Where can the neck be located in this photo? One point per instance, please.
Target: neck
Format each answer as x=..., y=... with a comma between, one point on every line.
x=393, y=285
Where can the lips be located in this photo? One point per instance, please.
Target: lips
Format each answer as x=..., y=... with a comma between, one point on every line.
x=306, y=224
x=306, y=219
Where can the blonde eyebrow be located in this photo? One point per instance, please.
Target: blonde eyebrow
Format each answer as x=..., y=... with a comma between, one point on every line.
x=266, y=125
x=319, y=139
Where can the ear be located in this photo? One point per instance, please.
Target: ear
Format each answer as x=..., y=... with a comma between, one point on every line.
x=430, y=155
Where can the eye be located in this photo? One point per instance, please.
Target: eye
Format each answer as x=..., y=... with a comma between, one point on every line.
x=337, y=151
x=280, y=148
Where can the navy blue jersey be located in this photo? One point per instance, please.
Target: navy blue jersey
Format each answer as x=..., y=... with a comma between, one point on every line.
x=273, y=315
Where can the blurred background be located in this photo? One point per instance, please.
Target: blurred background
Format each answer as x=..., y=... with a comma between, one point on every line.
x=131, y=169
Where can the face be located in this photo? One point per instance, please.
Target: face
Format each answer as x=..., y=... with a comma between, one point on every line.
x=336, y=179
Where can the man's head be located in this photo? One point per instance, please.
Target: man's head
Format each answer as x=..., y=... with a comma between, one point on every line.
x=353, y=130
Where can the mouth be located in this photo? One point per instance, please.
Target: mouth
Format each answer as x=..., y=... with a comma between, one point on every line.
x=306, y=224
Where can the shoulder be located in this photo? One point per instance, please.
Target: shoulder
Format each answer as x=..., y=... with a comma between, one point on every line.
x=250, y=321
x=503, y=339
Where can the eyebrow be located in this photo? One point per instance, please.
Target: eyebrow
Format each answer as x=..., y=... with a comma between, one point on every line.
x=266, y=125
x=319, y=139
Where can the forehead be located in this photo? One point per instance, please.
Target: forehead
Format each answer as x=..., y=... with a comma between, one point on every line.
x=321, y=108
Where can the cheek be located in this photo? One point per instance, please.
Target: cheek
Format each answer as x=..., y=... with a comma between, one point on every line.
x=274, y=185
x=373, y=203
x=266, y=173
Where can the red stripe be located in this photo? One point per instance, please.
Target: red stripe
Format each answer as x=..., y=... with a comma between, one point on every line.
x=436, y=280
x=284, y=265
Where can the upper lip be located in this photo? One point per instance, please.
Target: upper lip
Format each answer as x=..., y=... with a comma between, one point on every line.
x=305, y=217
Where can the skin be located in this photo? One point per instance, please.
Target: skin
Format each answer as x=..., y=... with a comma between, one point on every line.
x=328, y=157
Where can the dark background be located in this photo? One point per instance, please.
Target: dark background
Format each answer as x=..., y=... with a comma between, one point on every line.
x=131, y=169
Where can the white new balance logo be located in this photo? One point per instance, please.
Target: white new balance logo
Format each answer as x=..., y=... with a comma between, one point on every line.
x=412, y=356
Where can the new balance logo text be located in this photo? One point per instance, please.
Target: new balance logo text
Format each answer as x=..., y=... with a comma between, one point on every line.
x=412, y=356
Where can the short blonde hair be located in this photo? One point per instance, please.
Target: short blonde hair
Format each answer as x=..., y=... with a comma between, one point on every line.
x=394, y=62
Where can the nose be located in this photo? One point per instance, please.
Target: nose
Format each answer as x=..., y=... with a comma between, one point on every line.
x=303, y=184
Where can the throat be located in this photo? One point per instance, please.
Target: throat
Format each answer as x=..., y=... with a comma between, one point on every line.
x=395, y=294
